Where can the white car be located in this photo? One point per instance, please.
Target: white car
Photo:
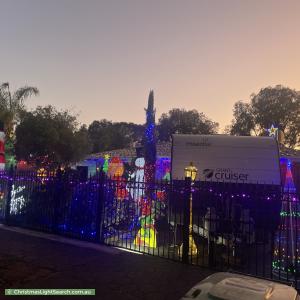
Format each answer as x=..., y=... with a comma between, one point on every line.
x=230, y=286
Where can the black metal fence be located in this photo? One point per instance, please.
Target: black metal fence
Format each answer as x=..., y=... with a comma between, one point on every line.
x=251, y=229
x=58, y=203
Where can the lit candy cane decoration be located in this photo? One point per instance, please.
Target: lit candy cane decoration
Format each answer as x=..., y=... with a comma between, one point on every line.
x=2, y=152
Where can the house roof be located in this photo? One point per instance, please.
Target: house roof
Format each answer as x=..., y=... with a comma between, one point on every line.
x=163, y=149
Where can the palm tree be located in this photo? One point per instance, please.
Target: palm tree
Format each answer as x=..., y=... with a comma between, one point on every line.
x=11, y=107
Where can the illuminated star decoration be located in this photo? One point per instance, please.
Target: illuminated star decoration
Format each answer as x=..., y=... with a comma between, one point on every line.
x=273, y=131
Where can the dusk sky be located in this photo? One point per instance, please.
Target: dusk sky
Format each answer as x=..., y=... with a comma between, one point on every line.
x=101, y=58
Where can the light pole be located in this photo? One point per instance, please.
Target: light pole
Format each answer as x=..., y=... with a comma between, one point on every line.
x=190, y=173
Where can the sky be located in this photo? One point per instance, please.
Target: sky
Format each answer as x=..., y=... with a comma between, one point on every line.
x=101, y=58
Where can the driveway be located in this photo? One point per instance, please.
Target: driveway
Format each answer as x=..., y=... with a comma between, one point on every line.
x=30, y=259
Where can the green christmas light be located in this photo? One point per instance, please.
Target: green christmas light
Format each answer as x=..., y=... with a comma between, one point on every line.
x=290, y=214
x=105, y=165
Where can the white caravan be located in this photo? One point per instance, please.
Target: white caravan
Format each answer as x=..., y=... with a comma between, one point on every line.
x=224, y=158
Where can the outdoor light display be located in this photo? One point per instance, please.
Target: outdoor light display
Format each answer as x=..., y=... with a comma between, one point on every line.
x=81, y=216
x=105, y=164
x=146, y=236
x=10, y=160
x=42, y=175
x=38, y=162
x=287, y=242
x=17, y=201
x=163, y=168
x=150, y=142
x=273, y=131
x=118, y=209
x=127, y=206
x=137, y=189
x=115, y=168
x=276, y=133
x=2, y=152
x=115, y=171
x=2, y=195
x=135, y=169
x=22, y=165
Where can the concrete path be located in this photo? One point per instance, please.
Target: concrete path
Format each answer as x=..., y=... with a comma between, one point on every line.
x=30, y=259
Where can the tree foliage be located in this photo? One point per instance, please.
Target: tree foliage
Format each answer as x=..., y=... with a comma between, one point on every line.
x=47, y=132
x=186, y=122
x=243, y=119
x=106, y=135
x=11, y=108
x=12, y=105
x=277, y=105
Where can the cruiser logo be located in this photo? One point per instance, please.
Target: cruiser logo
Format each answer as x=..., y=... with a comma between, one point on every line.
x=224, y=175
x=208, y=173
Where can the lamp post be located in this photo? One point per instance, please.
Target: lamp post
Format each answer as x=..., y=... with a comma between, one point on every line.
x=190, y=173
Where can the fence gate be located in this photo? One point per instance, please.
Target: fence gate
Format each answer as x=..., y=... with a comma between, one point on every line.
x=216, y=225
x=136, y=216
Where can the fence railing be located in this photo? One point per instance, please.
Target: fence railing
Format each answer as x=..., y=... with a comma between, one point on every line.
x=253, y=229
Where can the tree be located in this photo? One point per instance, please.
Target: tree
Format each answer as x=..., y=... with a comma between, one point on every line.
x=82, y=143
x=186, y=122
x=149, y=144
x=11, y=107
x=49, y=133
x=106, y=135
x=243, y=119
x=147, y=233
x=97, y=131
x=272, y=105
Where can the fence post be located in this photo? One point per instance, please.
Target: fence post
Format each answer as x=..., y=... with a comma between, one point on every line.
x=8, y=198
x=58, y=195
x=211, y=260
x=186, y=220
x=100, y=205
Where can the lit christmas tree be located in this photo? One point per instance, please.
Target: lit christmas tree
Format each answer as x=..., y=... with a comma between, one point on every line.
x=106, y=163
x=10, y=153
x=2, y=142
x=150, y=144
x=146, y=236
x=286, y=263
